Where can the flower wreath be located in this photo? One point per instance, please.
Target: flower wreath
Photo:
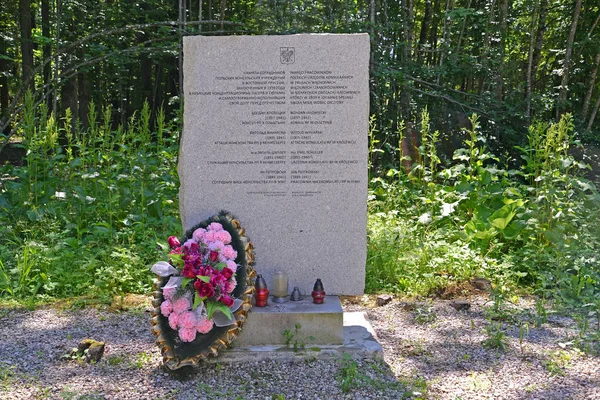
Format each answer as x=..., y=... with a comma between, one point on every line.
x=204, y=292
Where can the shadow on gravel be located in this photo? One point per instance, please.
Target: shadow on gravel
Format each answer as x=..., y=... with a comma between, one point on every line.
x=33, y=342
x=460, y=358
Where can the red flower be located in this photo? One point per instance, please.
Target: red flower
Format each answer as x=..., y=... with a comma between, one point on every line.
x=227, y=273
x=213, y=256
x=173, y=242
x=227, y=300
x=191, y=248
x=217, y=279
x=188, y=272
x=204, y=289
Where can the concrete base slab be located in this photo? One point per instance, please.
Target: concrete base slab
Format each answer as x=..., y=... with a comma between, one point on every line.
x=359, y=340
x=320, y=324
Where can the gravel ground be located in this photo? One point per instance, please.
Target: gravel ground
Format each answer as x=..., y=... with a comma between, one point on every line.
x=430, y=351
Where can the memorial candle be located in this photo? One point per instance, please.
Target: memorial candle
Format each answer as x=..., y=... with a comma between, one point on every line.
x=280, y=286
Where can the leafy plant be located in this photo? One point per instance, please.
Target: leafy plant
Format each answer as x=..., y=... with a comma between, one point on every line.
x=84, y=219
x=495, y=338
x=348, y=374
x=425, y=314
x=294, y=338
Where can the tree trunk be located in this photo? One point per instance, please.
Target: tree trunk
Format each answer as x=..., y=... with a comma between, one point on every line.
x=445, y=36
x=199, y=15
x=47, y=49
x=462, y=31
x=372, y=22
x=485, y=51
x=222, y=14
x=56, y=57
x=68, y=96
x=147, y=86
x=180, y=59
x=536, y=54
x=431, y=57
x=407, y=11
x=83, y=92
x=157, y=98
x=499, y=87
x=424, y=30
x=4, y=69
x=590, y=91
x=594, y=112
x=25, y=22
x=529, y=78
x=562, y=94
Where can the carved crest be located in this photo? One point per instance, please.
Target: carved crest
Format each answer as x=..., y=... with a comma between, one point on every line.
x=288, y=55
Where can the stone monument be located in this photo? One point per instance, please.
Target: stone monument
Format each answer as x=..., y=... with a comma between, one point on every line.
x=276, y=132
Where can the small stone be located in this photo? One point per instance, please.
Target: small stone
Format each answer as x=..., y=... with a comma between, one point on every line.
x=408, y=306
x=460, y=305
x=95, y=350
x=383, y=299
x=481, y=283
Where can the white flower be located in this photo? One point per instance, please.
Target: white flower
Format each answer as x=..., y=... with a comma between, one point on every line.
x=425, y=219
x=448, y=208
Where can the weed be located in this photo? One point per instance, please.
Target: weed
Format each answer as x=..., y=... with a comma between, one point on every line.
x=414, y=347
x=556, y=362
x=208, y=392
x=541, y=314
x=495, y=338
x=425, y=314
x=348, y=374
x=295, y=339
x=523, y=331
x=142, y=359
x=115, y=360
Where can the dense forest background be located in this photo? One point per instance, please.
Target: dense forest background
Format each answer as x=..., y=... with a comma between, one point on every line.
x=510, y=61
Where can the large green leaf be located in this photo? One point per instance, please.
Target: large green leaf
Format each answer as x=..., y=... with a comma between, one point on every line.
x=502, y=217
x=513, y=229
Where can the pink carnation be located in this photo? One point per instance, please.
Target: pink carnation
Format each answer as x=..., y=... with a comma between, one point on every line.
x=205, y=325
x=173, y=321
x=181, y=305
x=168, y=293
x=166, y=308
x=232, y=265
x=187, y=334
x=230, y=285
x=190, y=243
x=216, y=246
x=199, y=234
x=188, y=320
x=223, y=236
x=215, y=226
x=209, y=237
x=229, y=253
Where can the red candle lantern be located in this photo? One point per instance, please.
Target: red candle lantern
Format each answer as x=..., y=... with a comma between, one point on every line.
x=261, y=295
x=318, y=293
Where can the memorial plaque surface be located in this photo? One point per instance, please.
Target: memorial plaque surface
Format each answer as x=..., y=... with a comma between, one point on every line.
x=275, y=132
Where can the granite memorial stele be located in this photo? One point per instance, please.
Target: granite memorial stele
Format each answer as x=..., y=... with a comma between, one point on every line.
x=275, y=131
